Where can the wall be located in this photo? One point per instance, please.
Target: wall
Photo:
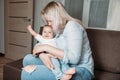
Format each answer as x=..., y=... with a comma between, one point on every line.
x=1, y=26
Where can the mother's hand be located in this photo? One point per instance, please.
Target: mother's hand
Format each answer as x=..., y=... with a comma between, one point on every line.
x=38, y=49
x=46, y=60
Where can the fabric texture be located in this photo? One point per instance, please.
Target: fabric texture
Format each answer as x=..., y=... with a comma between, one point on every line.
x=76, y=46
x=105, y=46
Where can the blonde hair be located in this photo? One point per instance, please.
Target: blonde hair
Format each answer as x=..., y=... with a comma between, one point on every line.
x=59, y=15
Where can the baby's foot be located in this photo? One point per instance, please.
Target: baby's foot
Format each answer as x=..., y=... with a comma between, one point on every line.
x=68, y=74
x=70, y=71
x=66, y=77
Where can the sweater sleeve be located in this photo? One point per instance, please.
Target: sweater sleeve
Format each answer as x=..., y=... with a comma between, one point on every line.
x=38, y=38
x=74, y=40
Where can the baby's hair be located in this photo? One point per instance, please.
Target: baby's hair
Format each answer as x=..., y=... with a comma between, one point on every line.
x=47, y=26
x=42, y=27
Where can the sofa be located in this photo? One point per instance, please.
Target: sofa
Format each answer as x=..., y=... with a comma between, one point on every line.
x=105, y=46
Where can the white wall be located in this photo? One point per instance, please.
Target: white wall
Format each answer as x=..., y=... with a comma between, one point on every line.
x=1, y=26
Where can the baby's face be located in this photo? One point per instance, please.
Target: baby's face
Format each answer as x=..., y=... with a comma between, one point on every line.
x=47, y=32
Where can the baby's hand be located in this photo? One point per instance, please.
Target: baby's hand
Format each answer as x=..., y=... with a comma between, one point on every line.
x=29, y=27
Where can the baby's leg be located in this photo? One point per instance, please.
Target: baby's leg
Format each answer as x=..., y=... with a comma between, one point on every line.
x=56, y=70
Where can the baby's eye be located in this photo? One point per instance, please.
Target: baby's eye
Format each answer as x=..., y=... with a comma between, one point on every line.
x=44, y=31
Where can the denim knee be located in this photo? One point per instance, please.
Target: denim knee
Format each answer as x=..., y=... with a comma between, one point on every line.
x=27, y=59
x=82, y=74
x=30, y=59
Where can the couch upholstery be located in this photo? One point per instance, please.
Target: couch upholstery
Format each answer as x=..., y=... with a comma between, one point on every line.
x=105, y=46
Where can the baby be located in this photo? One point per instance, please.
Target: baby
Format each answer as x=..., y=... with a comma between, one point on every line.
x=47, y=37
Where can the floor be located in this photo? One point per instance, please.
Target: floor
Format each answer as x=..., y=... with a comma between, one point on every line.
x=3, y=61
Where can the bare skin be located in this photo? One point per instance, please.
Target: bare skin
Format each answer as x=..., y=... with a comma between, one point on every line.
x=68, y=74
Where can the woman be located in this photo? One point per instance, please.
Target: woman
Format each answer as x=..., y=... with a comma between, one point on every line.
x=73, y=48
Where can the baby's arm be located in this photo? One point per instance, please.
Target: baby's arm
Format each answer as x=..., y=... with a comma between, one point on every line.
x=31, y=31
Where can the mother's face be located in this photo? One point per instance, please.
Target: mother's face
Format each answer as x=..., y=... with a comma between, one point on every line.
x=52, y=19
x=49, y=20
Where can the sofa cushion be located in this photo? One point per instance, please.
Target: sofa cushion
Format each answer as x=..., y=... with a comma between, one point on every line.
x=105, y=46
x=103, y=75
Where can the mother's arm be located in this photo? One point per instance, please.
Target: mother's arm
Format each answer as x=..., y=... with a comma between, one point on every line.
x=50, y=49
x=46, y=57
x=74, y=34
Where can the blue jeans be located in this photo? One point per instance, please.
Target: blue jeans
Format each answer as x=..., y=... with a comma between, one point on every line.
x=43, y=73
